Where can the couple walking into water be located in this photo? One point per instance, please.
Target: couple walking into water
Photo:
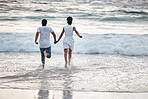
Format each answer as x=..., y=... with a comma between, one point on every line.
x=44, y=40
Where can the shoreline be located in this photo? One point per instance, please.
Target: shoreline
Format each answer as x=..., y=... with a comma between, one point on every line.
x=90, y=77
x=66, y=94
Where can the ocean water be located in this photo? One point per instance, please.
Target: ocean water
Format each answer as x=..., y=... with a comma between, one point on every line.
x=112, y=56
x=110, y=44
x=107, y=26
x=90, y=16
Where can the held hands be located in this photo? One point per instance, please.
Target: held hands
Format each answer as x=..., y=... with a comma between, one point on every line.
x=55, y=42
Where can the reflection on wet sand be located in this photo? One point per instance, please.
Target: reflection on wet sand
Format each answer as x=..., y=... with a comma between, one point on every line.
x=67, y=92
x=43, y=92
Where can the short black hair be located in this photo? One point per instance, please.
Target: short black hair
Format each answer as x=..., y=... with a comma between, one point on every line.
x=44, y=22
x=69, y=20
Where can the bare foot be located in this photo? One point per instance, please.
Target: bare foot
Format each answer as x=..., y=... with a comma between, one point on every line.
x=46, y=54
x=66, y=65
x=43, y=65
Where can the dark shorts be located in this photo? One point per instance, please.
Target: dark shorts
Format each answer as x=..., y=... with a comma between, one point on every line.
x=48, y=50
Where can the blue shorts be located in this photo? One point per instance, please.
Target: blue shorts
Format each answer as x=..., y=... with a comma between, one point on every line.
x=48, y=50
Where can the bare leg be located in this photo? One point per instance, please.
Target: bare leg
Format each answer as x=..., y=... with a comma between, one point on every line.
x=70, y=51
x=43, y=64
x=65, y=56
x=46, y=54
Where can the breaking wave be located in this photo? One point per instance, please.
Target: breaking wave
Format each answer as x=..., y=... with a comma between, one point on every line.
x=123, y=44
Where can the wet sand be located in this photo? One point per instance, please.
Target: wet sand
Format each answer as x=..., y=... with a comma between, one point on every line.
x=90, y=77
x=66, y=94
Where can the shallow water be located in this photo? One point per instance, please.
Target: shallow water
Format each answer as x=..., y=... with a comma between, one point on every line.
x=55, y=94
x=92, y=73
x=111, y=57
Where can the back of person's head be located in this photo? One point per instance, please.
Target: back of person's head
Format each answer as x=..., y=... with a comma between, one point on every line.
x=69, y=20
x=44, y=22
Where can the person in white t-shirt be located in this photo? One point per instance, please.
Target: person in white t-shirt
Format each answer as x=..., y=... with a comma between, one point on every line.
x=68, y=43
x=44, y=41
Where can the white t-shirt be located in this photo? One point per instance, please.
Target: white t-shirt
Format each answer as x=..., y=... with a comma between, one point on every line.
x=44, y=41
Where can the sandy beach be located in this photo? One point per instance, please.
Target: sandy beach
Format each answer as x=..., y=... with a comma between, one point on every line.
x=55, y=94
x=89, y=77
x=109, y=62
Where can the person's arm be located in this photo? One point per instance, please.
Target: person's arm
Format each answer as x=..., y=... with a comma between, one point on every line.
x=54, y=36
x=36, y=37
x=77, y=32
x=61, y=35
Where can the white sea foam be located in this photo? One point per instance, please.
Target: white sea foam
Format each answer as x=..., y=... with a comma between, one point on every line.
x=89, y=44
